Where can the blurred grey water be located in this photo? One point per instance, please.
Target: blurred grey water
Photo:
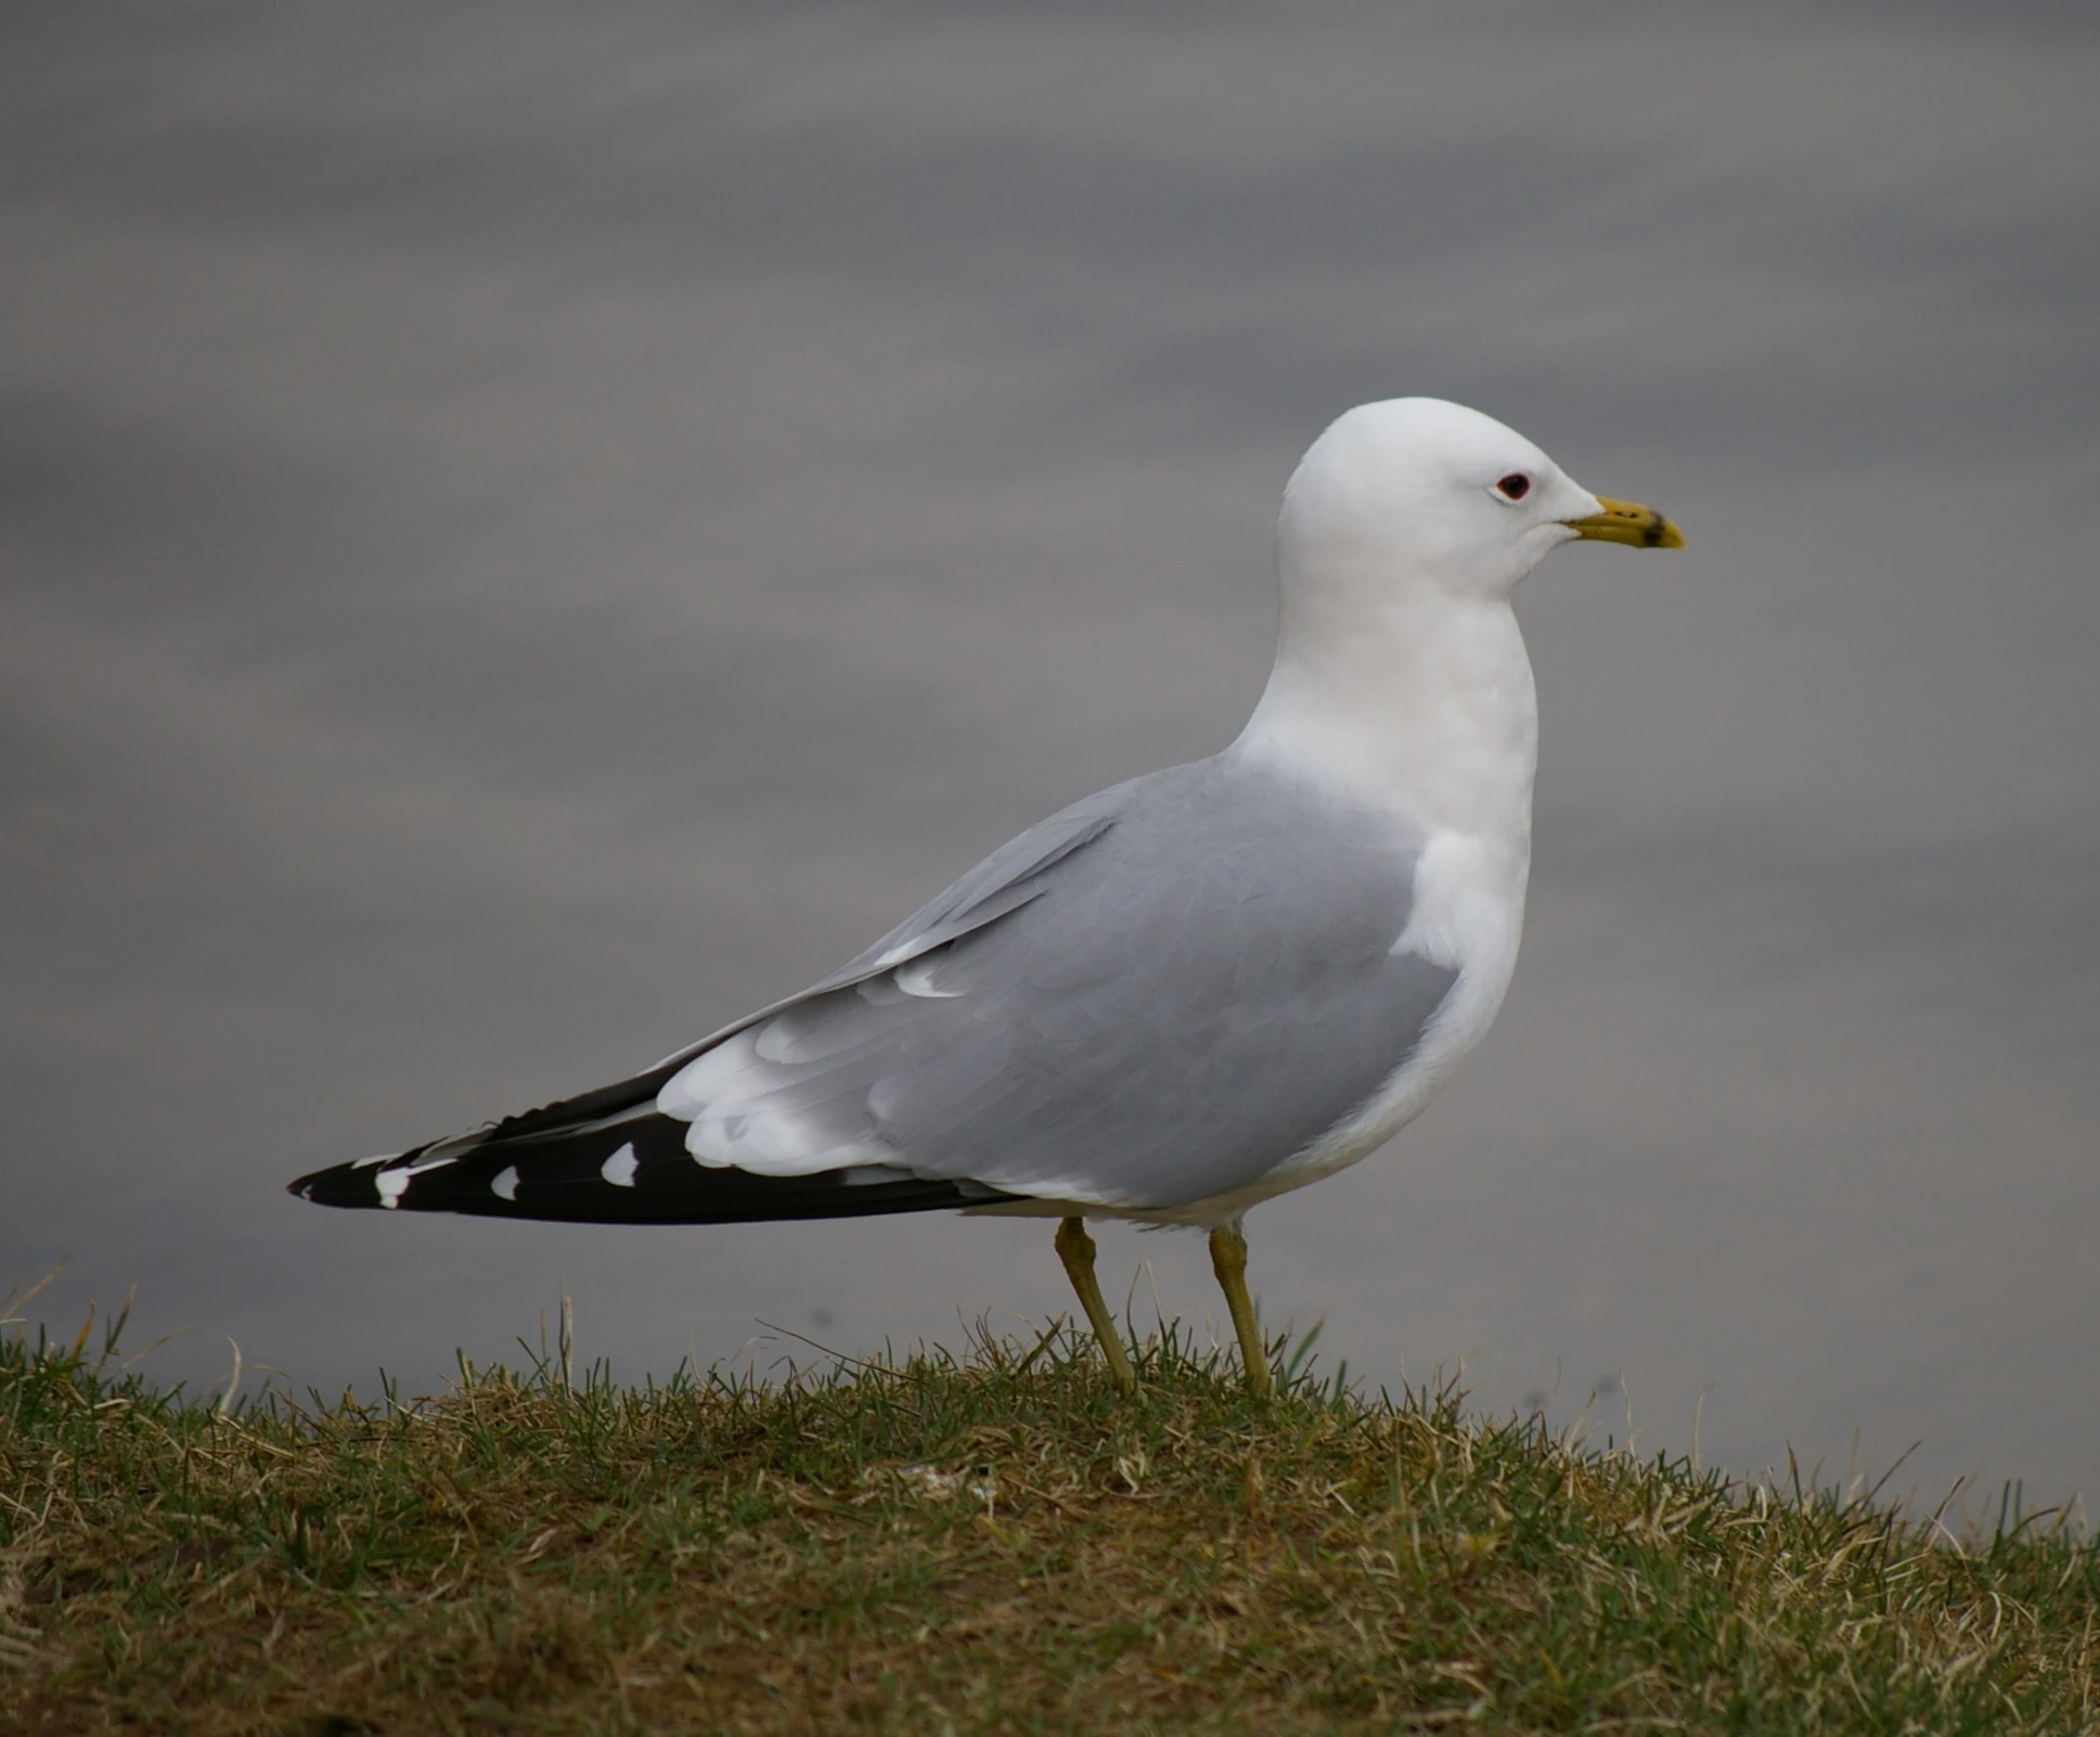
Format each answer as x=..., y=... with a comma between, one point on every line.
x=526, y=531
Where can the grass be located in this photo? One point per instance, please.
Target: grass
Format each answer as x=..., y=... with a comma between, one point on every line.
x=986, y=1543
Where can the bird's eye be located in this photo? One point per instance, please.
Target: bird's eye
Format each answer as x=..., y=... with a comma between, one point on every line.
x=1514, y=487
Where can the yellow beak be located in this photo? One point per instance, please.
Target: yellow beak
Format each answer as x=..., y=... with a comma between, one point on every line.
x=1622, y=521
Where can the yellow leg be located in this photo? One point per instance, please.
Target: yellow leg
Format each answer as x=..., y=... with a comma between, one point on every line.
x=1075, y=1249
x=1228, y=1262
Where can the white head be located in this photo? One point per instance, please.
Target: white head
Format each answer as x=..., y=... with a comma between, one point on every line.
x=1420, y=489
x=1400, y=667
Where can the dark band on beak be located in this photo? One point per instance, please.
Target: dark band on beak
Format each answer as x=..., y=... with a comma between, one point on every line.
x=1625, y=521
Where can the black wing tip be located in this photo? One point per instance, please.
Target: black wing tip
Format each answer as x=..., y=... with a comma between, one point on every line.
x=340, y=1185
x=567, y=1182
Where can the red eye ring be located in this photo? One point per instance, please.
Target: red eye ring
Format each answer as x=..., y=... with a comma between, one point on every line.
x=1514, y=487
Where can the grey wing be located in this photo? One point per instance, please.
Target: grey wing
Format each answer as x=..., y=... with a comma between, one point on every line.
x=1155, y=998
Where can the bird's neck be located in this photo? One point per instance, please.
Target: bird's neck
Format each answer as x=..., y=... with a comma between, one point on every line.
x=1406, y=698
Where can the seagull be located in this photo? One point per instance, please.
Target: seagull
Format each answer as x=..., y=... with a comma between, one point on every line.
x=1175, y=999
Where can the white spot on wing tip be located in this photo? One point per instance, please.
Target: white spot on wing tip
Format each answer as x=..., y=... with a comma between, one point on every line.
x=504, y=1186
x=393, y=1184
x=620, y=1168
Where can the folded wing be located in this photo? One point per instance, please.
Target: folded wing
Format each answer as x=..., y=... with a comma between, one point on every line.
x=1158, y=995
x=1164, y=1011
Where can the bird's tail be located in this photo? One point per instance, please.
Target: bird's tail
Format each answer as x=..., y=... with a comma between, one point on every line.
x=611, y=1158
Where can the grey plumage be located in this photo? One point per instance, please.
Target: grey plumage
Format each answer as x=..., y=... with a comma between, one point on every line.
x=1154, y=997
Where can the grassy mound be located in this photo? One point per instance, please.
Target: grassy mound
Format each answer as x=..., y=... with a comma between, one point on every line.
x=991, y=1543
